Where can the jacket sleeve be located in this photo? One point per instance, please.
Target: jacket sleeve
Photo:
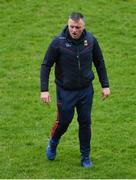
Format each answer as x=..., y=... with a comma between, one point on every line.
x=99, y=64
x=48, y=61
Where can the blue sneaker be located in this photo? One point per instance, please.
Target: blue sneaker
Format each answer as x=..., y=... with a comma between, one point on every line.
x=51, y=150
x=85, y=162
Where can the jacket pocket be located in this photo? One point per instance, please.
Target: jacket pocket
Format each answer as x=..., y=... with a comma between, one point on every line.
x=88, y=76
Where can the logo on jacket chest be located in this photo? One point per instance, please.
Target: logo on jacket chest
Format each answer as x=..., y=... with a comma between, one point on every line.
x=68, y=44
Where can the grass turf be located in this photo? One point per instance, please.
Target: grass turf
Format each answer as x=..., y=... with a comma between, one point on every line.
x=27, y=27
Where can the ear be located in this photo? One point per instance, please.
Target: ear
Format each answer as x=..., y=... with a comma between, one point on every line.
x=83, y=25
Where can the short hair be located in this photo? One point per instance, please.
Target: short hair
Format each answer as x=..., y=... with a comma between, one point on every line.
x=76, y=16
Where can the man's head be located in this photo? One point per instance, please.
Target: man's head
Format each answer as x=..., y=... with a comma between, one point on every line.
x=76, y=25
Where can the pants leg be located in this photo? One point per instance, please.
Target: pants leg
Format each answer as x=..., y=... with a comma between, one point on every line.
x=84, y=106
x=66, y=101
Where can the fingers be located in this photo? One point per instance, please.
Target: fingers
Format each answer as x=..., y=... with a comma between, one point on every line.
x=105, y=93
x=45, y=97
x=105, y=96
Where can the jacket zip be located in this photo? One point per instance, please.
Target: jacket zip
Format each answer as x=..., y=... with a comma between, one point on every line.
x=79, y=66
x=78, y=59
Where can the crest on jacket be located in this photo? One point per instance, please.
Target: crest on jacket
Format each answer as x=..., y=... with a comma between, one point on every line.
x=85, y=43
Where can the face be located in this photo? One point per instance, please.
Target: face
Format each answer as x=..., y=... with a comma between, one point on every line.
x=76, y=28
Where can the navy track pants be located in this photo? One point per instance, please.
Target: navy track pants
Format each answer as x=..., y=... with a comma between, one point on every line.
x=67, y=102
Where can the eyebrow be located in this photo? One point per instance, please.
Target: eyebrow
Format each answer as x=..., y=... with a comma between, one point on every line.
x=77, y=27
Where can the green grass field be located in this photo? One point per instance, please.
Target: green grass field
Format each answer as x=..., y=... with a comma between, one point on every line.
x=27, y=28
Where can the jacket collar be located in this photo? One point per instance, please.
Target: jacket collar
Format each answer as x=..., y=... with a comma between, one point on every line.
x=66, y=34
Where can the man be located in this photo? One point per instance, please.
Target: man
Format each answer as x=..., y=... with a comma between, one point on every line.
x=73, y=52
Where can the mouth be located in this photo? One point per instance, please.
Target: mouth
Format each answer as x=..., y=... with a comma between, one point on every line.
x=74, y=34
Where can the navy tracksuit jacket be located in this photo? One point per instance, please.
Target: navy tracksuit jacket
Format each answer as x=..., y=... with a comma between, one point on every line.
x=73, y=76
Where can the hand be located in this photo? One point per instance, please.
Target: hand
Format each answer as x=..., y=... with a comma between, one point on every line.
x=45, y=97
x=105, y=93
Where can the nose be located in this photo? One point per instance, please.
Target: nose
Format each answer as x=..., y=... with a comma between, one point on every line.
x=74, y=29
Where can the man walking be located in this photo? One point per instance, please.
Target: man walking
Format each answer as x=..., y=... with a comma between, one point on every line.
x=73, y=52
